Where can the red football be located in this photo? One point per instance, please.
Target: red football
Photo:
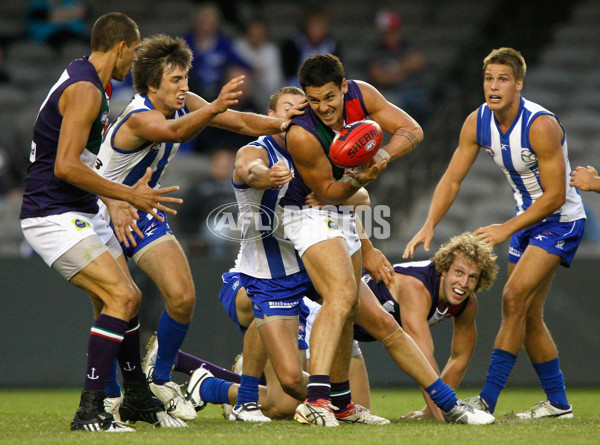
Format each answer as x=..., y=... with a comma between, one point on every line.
x=356, y=144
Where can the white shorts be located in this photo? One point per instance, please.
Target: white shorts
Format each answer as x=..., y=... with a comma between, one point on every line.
x=52, y=236
x=308, y=226
x=314, y=308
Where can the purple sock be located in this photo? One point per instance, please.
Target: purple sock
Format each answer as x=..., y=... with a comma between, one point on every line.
x=129, y=356
x=340, y=395
x=319, y=387
x=188, y=363
x=103, y=345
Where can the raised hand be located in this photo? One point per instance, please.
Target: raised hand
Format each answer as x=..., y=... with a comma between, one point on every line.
x=229, y=95
x=423, y=236
x=147, y=199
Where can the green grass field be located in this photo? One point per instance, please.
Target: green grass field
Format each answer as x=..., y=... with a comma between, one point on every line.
x=39, y=416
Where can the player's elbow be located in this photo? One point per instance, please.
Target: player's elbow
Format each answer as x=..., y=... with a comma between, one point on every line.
x=62, y=170
x=557, y=200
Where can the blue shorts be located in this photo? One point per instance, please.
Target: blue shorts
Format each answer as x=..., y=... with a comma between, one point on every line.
x=277, y=296
x=152, y=229
x=557, y=238
x=229, y=290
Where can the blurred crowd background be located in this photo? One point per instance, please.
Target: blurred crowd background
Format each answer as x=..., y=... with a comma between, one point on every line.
x=423, y=55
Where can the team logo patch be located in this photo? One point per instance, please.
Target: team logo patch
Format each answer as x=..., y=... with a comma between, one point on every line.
x=104, y=118
x=80, y=225
x=332, y=225
x=560, y=244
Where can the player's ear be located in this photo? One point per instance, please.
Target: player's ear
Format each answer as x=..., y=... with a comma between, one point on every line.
x=344, y=86
x=519, y=85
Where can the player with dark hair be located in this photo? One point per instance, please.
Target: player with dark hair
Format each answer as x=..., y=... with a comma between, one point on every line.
x=147, y=134
x=61, y=221
x=530, y=145
x=327, y=242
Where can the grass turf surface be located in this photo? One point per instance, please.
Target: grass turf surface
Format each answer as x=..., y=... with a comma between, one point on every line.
x=42, y=416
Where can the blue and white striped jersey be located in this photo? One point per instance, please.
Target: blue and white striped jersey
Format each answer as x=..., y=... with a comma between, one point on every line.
x=265, y=252
x=128, y=166
x=512, y=152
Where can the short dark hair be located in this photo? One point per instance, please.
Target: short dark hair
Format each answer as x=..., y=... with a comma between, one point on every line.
x=321, y=69
x=510, y=57
x=157, y=54
x=111, y=29
x=280, y=92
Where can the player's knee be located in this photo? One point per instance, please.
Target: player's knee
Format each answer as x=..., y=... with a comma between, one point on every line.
x=514, y=302
x=291, y=382
x=182, y=303
x=382, y=327
x=344, y=303
x=125, y=301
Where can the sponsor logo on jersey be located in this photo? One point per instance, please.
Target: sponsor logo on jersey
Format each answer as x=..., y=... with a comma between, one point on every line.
x=489, y=150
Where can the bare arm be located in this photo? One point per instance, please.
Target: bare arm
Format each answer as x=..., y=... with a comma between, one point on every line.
x=445, y=192
x=254, y=124
x=313, y=164
x=252, y=169
x=79, y=104
x=406, y=132
x=586, y=179
x=464, y=338
x=545, y=135
x=154, y=126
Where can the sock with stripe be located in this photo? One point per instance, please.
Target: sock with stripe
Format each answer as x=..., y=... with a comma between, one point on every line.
x=170, y=335
x=552, y=382
x=501, y=365
x=442, y=395
x=340, y=396
x=129, y=356
x=103, y=345
x=319, y=387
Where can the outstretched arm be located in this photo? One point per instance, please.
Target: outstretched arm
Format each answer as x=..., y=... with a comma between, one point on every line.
x=79, y=104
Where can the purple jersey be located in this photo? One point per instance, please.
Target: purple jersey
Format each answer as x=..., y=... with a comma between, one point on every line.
x=45, y=194
x=354, y=110
x=423, y=271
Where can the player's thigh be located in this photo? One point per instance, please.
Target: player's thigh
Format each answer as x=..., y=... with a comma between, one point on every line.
x=280, y=339
x=330, y=268
x=166, y=264
x=534, y=270
x=372, y=317
x=105, y=279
